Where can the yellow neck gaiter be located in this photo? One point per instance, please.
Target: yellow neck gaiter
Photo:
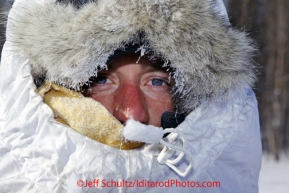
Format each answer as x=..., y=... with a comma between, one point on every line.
x=85, y=115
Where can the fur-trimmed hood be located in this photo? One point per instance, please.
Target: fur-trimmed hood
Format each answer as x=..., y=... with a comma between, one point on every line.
x=68, y=45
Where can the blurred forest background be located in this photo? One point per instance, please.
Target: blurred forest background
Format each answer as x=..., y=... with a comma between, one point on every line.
x=266, y=21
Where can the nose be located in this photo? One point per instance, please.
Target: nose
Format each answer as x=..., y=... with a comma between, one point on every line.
x=130, y=103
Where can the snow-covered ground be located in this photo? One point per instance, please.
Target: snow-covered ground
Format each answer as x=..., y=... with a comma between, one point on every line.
x=274, y=176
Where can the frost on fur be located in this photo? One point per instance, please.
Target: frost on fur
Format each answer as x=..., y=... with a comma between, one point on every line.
x=209, y=57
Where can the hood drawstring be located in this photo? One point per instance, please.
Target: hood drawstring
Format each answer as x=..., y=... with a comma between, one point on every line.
x=136, y=131
x=170, y=149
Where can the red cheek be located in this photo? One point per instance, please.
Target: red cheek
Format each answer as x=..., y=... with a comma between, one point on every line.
x=157, y=108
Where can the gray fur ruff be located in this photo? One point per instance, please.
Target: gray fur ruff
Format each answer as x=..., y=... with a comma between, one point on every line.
x=69, y=45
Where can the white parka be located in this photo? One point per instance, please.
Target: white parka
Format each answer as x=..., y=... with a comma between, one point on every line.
x=39, y=154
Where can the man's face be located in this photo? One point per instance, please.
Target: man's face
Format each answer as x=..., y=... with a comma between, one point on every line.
x=131, y=89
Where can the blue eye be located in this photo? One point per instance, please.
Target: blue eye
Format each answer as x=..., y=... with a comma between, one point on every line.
x=157, y=82
x=100, y=80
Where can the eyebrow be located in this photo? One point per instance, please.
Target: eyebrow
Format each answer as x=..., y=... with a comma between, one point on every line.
x=157, y=67
x=155, y=64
